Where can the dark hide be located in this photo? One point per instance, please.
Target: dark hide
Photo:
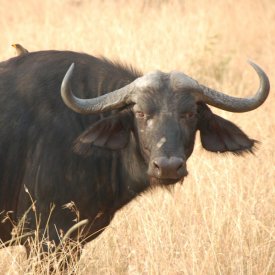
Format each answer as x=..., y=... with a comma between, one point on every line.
x=112, y=133
x=99, y=163
x=221, y=135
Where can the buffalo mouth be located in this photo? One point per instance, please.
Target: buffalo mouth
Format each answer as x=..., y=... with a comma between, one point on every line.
x=166, y=182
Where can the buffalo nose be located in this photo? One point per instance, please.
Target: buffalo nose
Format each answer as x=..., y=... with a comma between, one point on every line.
x=169, y=168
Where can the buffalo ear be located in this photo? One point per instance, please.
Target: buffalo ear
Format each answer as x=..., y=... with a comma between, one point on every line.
x=112, y=133
x=221, y=135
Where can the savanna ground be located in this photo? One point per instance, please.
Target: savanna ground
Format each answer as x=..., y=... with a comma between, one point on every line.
x=222, y=219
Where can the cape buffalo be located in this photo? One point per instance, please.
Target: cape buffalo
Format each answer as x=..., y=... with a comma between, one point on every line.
x=111, y=134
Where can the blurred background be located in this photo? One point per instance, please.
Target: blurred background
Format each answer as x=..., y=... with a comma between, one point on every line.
x=222, y=219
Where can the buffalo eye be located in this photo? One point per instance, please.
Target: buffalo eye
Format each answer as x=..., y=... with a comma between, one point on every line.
x=187, y=115
x=139, y=114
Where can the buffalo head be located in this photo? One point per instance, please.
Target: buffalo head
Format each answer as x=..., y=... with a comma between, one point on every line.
x=163, y=111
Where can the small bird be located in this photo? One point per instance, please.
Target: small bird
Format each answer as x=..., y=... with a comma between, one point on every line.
x=20, y=50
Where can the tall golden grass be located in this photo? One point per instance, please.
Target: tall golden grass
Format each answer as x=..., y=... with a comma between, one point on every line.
x=222, y=219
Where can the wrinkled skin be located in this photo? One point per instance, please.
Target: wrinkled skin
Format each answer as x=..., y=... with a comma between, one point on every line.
x=100, y=162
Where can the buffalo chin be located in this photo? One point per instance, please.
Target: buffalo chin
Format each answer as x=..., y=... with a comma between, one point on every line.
x=165, y=182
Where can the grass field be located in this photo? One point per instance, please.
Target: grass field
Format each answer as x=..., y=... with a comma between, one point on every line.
x=222, y=219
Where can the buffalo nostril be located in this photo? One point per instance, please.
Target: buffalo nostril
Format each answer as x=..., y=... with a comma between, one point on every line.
x=157, y=167
x=176, y=163
x=181, y=168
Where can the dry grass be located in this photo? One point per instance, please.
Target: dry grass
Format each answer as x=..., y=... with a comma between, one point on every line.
x=222, y=220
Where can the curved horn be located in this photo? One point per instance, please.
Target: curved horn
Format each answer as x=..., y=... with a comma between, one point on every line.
x=235, y=104
x=107, y=102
